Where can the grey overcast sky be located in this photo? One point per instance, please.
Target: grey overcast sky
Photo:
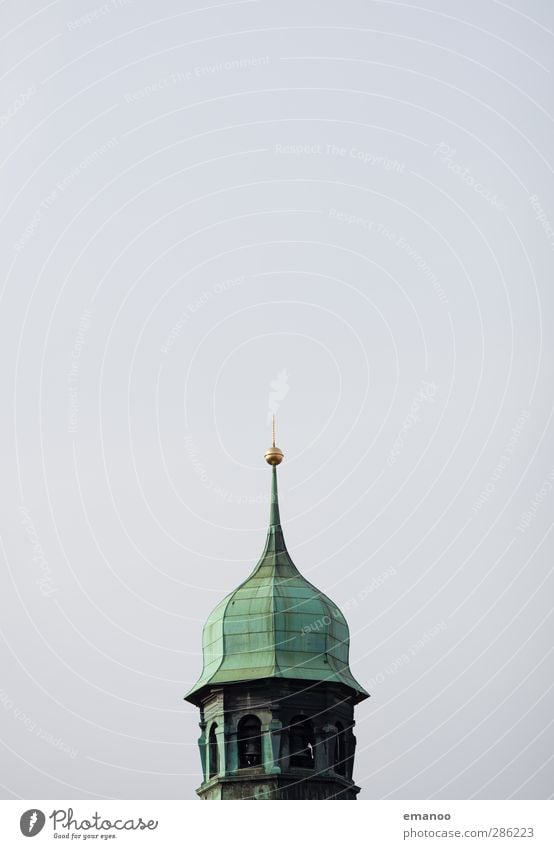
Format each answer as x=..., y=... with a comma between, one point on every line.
x=341, y=212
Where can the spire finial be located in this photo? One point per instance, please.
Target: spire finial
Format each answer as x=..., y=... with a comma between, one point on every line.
x=273, y=455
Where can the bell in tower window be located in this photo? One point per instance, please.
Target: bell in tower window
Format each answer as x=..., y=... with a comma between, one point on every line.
x=249, y=741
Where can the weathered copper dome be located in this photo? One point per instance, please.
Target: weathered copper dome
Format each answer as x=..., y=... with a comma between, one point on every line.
x=276, y=625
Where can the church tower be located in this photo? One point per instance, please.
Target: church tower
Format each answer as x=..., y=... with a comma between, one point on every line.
x=276, y=694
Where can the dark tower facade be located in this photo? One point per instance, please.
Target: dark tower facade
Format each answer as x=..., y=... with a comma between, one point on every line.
x=276, y=694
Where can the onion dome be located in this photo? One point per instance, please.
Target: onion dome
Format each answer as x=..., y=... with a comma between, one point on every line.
x=276, y=624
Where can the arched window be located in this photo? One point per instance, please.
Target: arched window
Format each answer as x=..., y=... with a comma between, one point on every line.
x=340, y=750
x=213, y=752
x=302, y=743
x=249, y=740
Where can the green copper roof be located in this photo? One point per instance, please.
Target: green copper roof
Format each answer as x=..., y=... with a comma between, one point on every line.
x=275, y=625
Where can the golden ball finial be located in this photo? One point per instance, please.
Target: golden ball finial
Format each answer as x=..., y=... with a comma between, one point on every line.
x=274, y=456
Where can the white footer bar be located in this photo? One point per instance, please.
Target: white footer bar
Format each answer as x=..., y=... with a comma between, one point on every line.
x=457, y=824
